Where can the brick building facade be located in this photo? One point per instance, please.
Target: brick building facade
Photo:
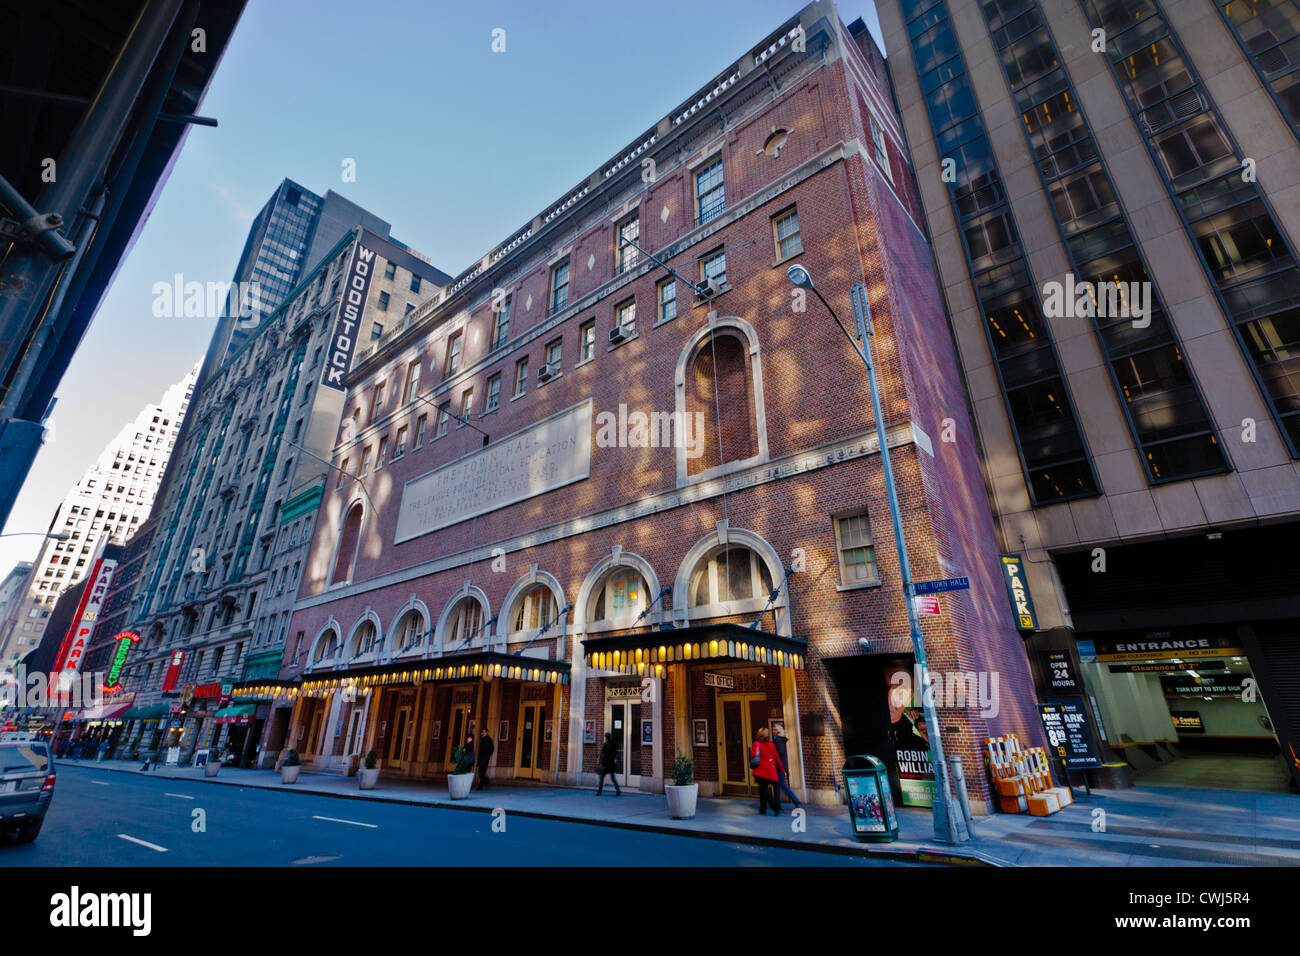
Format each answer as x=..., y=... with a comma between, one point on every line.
x=504, y=542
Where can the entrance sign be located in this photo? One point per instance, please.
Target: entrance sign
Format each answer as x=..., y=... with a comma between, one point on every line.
x=1163, y=647
x=941, y=585
x=1022, y=605
x=1069, y=734
x=550, y=454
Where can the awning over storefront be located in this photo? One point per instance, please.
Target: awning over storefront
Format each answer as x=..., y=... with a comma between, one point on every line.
x=147, y=712
x=454, y=667
x=109, y=711
x=648, y=652
x=264, y=690
x=235, y=714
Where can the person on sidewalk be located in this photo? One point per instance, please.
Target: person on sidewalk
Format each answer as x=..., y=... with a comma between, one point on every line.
x=608, y=764
x=766, y=764
x=779, y=741
x=484, y=754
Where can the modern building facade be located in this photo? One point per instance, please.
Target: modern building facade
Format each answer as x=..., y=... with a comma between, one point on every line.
x=109, y=502
x=13, y=589
x=212, y=600
x=621, y=477
x=1112, y=189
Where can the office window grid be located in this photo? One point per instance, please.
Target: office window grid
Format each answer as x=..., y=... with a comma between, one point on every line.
x=1248, y=259
x=1054, y=454
x=1268, y=32
x=1162, y=404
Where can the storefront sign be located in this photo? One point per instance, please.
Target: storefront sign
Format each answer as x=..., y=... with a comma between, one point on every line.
x=1060, y=673
x=1221, y=685
x=725, y=681
x=67, y=662
x=173, y=671
x=124, y=641
x=1022, y=605
x=1069, y=735
x=347, y=324
x=1163, y=647
x=1187, y=721
x=551, y=454
x=207, y=690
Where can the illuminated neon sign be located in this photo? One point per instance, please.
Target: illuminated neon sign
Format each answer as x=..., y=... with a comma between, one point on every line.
x=124, y=641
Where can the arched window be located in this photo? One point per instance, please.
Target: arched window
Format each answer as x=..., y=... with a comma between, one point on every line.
x=535, y=608
x=409, y=631
x=465, y=622
x=619, y=596
x=730, y=574
x=365, y=639
x=326, y=647
x=718, y=381
x=347, y=546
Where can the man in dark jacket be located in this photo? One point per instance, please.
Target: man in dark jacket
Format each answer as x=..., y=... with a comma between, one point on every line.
x=608, y=764
x=484, y=754
x=779, y=740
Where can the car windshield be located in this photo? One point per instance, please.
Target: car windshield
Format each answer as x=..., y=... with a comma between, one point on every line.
x=17, y=757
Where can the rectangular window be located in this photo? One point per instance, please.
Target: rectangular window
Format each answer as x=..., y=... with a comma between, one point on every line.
x=466, y=405
x=554, y=355
x=714, y=268
x=501, y=324
x=586, y=340
x=415, y=283
x=399, y=449
x=878, y=140
x=667, y=300
x=376, y=331
x=559, y=287
x=454, y=346
x=493, y=393
x=383, y=302
x=390, y=270
x=625, y=316
x=785, y=232
x=444, y=414
x=420, y=424
x=626, y=256
x=377, y=400
x=857, y=553
x=412, y=382
x=710, y=195
x=365, y=463
x=521, y=377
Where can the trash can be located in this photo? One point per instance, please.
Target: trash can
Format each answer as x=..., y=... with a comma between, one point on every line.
x=871, y=803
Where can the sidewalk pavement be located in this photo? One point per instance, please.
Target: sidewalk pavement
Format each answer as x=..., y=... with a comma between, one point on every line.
x=1146, y=826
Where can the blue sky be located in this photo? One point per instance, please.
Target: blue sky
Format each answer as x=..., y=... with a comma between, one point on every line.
x=455, y=145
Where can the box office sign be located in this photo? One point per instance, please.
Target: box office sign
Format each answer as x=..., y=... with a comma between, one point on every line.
x=347, y=324
x=725, y=681
x=551, y=454
x=1022, y=604
x=1069, y=735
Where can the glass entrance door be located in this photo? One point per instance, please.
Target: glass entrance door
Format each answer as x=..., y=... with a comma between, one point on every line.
x=528, y=761
x=400, y=737
x=740, y=716
x=623, y=723
x=459, y=724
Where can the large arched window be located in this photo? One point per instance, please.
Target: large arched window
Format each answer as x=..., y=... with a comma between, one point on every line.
x=734, y=573
x=326, y=647
x=364, y=639
x=720, y=402
x=347, y=552
x=619, y=598
x=409, y=632
x=464, y=624
x=535, y=608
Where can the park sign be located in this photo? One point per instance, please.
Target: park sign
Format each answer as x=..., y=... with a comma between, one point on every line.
x=1022, y=605
x=124, y=641
x=67, y=663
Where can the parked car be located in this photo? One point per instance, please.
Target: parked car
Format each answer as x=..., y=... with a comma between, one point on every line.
x=26, y=786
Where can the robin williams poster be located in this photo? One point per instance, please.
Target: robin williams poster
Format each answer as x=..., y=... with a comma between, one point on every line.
x=910, y=738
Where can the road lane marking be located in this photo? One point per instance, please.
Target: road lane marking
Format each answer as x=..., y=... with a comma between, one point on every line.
x=100, y=783
x=373, y=826
x=178, y=796
x=152, y=846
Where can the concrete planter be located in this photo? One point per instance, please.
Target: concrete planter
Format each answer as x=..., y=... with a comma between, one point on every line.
x=366, y=779
x=458, y=785
x=681, y=800
x=212, y=768
x=290, y=774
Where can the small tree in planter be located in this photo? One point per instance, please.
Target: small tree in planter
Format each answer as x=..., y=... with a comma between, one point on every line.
x=461, y=775
x=291, y=768
x=212, y=766
x=684, y=791
x=368, y=776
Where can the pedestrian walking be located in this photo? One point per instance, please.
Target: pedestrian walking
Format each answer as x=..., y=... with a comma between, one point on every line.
x=779, y=741
x=484, y=754
x=766, y=764
x=608, y=764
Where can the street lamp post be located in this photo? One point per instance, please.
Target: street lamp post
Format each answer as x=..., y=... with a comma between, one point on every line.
x=949, y=825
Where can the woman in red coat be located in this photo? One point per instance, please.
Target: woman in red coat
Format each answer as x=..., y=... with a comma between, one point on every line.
x=767, y=772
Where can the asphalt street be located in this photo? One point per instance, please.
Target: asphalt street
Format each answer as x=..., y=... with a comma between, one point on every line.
x=102, y=818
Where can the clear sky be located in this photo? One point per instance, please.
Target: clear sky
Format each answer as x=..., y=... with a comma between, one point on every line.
x=455, y=145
